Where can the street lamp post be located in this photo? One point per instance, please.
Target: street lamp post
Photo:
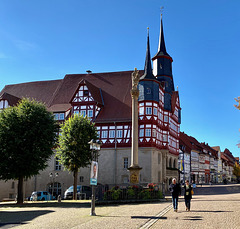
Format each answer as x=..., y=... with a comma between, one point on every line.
x=95, y=147
x=183, y=161
x=53, y=176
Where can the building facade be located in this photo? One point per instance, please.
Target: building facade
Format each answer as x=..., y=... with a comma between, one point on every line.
x=105, y=98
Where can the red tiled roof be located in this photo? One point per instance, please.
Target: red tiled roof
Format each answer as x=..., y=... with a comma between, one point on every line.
x=209, y=148
x=111, y=88
x=41, y=90
x=217, y=148
x=115, y=87
x=190, y=142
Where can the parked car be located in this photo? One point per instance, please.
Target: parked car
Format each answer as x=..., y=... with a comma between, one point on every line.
x=83, y=192
x=41, y=195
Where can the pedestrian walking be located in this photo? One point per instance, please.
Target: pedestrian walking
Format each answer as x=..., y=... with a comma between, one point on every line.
x=175, y=190
x=187, y=194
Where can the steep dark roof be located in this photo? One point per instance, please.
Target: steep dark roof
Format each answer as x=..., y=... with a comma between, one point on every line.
x=161, y=46
x=148, y=65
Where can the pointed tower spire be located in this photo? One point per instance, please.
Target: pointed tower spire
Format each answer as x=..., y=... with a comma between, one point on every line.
x=161, y=45
x=148, y=65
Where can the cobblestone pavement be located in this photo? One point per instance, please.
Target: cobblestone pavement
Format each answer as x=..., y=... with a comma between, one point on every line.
x=77, y=216
x=221, y=210
x=207, y=211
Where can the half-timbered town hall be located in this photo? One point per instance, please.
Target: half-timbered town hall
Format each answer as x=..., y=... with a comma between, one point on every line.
x=106, y=99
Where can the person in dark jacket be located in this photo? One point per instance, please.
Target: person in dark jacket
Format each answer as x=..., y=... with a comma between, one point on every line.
x=175, y=190
x=187, y=194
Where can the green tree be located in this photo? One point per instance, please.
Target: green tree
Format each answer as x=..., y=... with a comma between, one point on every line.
x=236, y=171
x=27, y=135
x=73, y=150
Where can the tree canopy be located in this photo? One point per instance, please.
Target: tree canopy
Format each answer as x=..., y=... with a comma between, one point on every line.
x=27, y=135
x=73, y=150
x=236, y=170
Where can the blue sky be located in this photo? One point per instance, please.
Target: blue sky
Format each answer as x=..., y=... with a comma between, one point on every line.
x=44, y=40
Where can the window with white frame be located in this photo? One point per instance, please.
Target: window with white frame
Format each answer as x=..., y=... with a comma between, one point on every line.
x=4, y=104
x=112, y=134
x=165, y=118
x=90, y=113
x=148, y=110
x=154, y=133
x=148, y=132
x=165, y=138
x=141, y=132
x=59, y=116
x=76, y=112
x=141, y=111
x=83, y=113
x=125, y=162
x=155, y=111
x=104, y=133
x=119, y=133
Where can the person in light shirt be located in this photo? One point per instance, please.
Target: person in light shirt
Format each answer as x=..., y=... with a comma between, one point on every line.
x=175, y=190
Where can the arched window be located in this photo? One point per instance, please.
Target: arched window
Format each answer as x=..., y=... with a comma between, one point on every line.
x=174, y=163
x=170, y=163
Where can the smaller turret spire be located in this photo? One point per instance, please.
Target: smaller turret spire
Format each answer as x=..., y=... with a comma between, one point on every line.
x=148, y=65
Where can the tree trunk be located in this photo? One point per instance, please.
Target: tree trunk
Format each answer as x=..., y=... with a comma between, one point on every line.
x=75, y=176
x=20, y=190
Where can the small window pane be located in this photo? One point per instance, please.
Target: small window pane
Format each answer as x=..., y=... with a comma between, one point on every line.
x=119, y=133
x=148, y=133
x=61, y=116
x=155, y=111
x=141, y=111
x=125, y=162
x=104, y=134
x=112, y=134
x=83, y=113
x=148, y=110
x=90, y=113
x=141, y=133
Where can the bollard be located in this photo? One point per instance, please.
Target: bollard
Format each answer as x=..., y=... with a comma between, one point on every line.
x=59, y=198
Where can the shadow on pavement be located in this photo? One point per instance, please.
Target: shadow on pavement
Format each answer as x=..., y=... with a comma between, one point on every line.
x=47, y=204
x=9, y=218
x=209, y=211
x=193, y=218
